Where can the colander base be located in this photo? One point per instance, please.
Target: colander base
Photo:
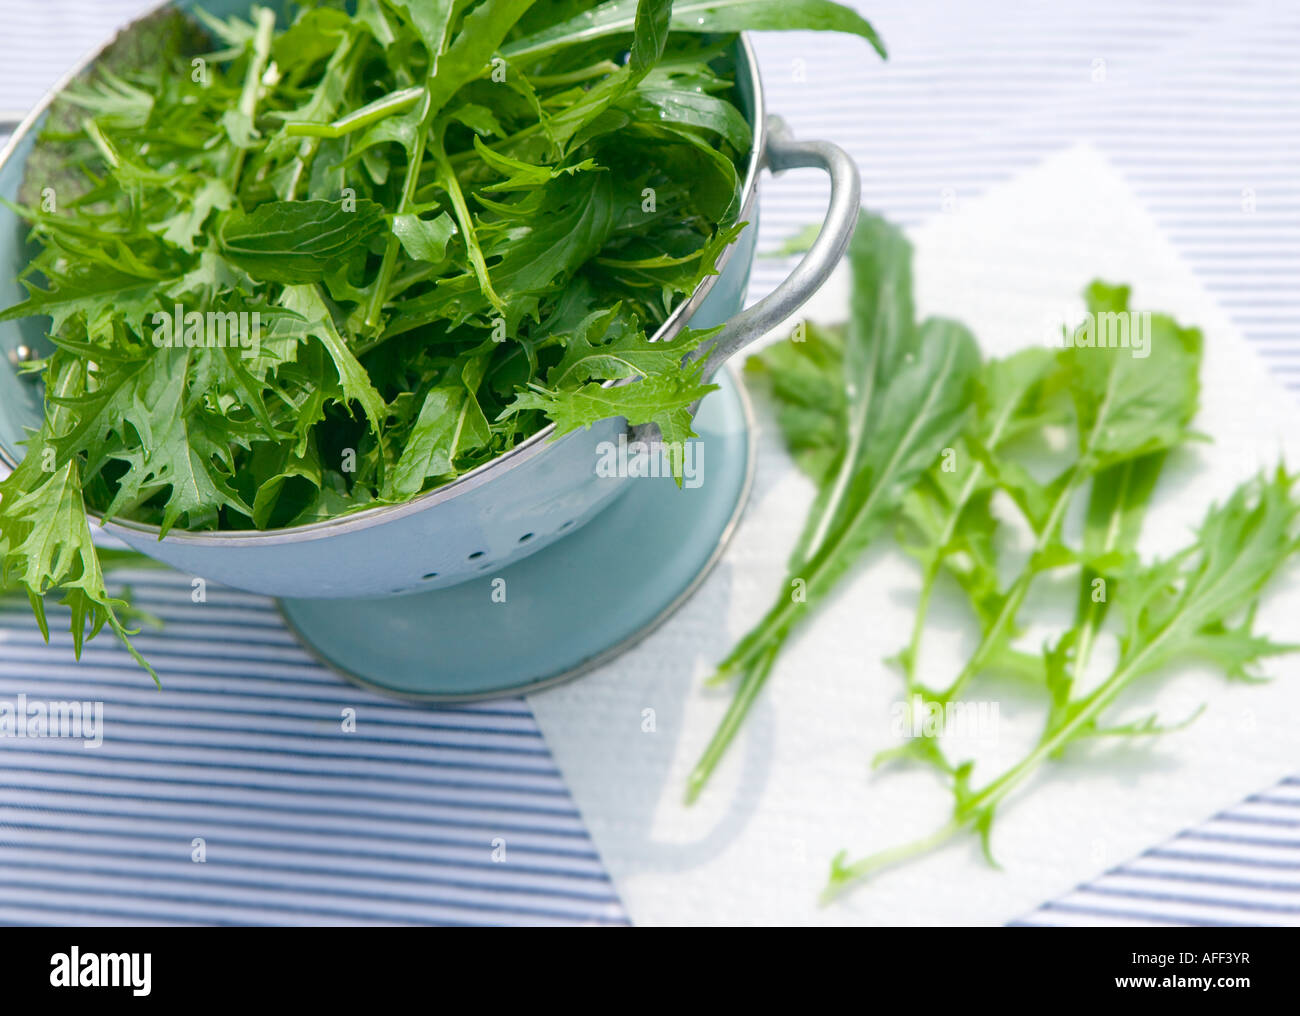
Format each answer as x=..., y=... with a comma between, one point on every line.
x=564, y=610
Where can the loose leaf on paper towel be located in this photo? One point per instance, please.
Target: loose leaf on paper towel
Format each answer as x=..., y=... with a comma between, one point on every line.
x=1197, y=604
x=1132, y=403
x=1126, y=407
x=1129, y=407
x=899, y=394
x=1128, y=384
x=948, y=517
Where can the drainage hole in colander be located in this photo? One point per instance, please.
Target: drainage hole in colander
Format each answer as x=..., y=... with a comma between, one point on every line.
x=525, y=538
x=567, y=524
x=429, y=575
x=476, y=555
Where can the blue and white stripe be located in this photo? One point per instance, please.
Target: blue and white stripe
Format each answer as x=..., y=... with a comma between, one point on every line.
x=419, y=816
x=1197, y=103
x=1240, y=867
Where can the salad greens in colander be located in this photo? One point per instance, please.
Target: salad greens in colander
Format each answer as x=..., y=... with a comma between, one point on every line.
x=298, y=269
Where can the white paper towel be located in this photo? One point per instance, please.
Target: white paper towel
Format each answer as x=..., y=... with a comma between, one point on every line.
x=796, y=786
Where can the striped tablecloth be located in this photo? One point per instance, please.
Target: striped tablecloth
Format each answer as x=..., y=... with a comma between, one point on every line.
x=459, y=815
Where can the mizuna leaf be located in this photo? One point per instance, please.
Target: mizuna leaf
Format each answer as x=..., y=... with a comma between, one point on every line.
x=1199, y=603
x=296, y=242
x=432, y=20
x=479, y=39
x=951, y=509
x=451, y=423
x=424, y=240
x=651, y=400
x=618, y=16
x=907, y=392
x=804, y=382
x=306, y=301
x=45, y=541
x=1126, y=407
x=664, y=398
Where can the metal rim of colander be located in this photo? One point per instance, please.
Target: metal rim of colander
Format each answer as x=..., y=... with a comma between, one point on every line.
x=605, y=655
x=522, y=452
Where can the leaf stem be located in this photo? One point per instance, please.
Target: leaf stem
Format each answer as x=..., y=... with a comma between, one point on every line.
x=252, y=84
x=843, y=876
x=822, y=550
x=1094, y=612
x=379, y=295
x=934, y=565
x=447, y=179
x=380, y=109
x=344, y=63
x=596, y=70
x=737, y=710
x=1054, y=740
x=912, y=654
x=1015, y=596
x=818, y=554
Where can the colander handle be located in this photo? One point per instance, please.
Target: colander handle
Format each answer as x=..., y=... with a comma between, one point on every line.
x=783, y=152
